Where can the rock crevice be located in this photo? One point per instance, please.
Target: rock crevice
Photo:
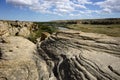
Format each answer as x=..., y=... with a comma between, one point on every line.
x=66, y=55
x=86, y=57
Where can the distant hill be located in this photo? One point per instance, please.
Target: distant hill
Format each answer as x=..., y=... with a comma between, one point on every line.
x=105, y=21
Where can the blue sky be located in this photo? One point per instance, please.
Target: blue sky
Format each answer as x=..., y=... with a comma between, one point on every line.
x=47, y=10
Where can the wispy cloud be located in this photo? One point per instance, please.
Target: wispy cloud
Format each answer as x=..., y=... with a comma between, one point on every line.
x=23, y=2
x=71, y=7
x=51, y=6
x=109, y=6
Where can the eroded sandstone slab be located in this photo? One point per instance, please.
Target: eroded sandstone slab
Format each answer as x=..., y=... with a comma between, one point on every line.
x=19, y=61
x=83, y=56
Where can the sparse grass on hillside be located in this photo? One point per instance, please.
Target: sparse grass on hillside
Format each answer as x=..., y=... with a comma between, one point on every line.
x=110, y=30
x=110, y=27
x=41, y=28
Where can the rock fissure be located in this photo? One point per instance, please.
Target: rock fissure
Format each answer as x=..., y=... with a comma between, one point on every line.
x=66, y=55
x=86, y=64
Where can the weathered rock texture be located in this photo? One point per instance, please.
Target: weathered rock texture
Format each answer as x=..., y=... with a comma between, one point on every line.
x=16, y=28
x=83, y=56
x=65, y=55
x=19, y=61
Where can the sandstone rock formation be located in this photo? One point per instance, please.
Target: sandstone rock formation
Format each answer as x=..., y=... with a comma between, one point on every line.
x=3, y=29
x=83, y=56
x=19, y=61
x=44, y=35
x=19, y=28
x=65, y=55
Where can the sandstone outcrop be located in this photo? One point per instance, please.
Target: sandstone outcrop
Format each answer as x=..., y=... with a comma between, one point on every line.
x=19, y=61
x=16, y=28
x=64, y=55
x=83, y=56
x=44, y=35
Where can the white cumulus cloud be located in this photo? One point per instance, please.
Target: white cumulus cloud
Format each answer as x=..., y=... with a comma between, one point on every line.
x=22, y=2
x=70, y=7
x=109, y=6
x=52, y=6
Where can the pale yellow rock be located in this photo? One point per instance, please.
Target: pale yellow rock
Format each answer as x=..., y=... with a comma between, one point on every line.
x=24, y=32
x=44, y=35
x=20, y=61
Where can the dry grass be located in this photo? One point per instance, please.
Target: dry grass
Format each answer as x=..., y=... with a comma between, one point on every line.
x=110, y=30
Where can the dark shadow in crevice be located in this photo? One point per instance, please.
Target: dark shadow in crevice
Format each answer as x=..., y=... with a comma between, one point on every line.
x=0, y=54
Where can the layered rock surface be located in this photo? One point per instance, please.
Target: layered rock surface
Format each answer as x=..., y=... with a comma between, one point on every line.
x=83, y=56
x=15, y=28
x=19, y=61
x=65, y=55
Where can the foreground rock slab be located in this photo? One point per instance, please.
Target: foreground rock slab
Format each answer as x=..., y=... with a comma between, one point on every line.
x=65, y=55
x=83, y=56
x=19, y=61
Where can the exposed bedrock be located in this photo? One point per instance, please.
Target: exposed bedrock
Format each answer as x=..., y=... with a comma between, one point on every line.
x=16, y=28
x=19, y=61
x=65, y=55
x=82, y=56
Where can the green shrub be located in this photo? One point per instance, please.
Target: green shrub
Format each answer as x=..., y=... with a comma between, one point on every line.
x=41, y=28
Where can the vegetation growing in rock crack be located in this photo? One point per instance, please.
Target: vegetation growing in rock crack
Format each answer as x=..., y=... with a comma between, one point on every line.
x=41, y=28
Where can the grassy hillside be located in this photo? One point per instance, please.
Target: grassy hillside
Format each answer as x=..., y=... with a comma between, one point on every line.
x=110, y=30
x=109, y=26
x=41, y=27
x=106, y=21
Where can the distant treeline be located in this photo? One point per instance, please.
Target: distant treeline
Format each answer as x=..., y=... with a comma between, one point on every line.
x=102, y=21
x=53, y=24
x=92, y=21
x=64, y=23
